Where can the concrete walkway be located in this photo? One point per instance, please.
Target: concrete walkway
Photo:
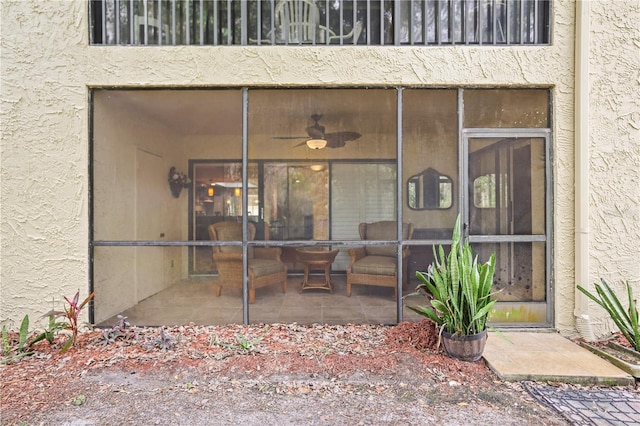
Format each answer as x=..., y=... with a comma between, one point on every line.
x=547, y=356
x=539, y=358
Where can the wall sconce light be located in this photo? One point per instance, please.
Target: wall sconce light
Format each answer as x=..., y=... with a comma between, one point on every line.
x=317, y=167
x=237, y=192
x=316, y=143
x=210, y=191
x=177, y=181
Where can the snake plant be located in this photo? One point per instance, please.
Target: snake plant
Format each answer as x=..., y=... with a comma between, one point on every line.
x=460, y=288
x=625, y=320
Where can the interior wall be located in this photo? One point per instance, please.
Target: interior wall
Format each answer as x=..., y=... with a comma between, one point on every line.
x=119, y=133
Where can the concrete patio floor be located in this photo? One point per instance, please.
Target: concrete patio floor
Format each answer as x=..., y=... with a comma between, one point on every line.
x=547, y=356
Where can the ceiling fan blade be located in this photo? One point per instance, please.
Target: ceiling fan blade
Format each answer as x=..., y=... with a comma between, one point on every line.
x=316, y=131
x=290, y=137
x=339, y=139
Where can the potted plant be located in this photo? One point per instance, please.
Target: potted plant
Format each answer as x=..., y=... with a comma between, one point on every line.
x=460, y=291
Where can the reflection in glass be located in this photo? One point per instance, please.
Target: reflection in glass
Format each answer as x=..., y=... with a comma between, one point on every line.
x=429, y=190
x=508, y=186
x=296, y=201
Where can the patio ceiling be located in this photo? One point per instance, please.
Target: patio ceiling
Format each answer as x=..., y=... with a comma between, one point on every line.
x=280, y=113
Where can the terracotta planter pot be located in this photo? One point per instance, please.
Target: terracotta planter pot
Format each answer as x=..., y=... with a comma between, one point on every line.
x=465, y=348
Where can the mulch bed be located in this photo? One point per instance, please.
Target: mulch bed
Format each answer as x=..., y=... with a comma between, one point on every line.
x=39, y=381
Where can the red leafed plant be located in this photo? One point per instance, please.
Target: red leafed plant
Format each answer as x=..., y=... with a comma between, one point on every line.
x=71, y=314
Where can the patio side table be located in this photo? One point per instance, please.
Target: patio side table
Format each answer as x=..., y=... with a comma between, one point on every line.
x=313, y=259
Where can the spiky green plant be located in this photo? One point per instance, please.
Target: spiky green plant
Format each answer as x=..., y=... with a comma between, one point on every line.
x=625, y=320
x=460, y=288
x=9, y=353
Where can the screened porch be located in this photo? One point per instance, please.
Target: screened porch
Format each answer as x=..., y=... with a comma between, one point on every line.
x=185, y=179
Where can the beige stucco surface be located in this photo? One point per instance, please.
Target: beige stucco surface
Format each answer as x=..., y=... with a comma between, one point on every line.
x=48, y=68
x=614, y=149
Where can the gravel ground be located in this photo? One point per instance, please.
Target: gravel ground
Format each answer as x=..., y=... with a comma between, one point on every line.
x=283, y=374
x=189, y=398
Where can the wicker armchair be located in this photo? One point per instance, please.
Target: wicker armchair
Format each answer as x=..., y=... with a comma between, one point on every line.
x=377, y=265
x=265, y=265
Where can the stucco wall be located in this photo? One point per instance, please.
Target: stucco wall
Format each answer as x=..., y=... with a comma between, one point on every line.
x=48, y=68
x=614, y=150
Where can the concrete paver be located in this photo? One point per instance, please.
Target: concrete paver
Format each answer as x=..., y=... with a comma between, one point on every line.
x=537, y=358
x=547, y=356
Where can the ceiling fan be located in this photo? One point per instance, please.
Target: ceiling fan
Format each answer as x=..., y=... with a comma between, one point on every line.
x=318, y=137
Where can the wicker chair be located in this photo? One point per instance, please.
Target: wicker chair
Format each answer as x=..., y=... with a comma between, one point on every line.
x=377, y=265
x=265, y=265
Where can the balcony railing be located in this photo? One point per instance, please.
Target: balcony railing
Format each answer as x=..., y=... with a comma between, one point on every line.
x=331, y=22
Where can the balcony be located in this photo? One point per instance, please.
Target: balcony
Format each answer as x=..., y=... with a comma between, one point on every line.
x=320, y=22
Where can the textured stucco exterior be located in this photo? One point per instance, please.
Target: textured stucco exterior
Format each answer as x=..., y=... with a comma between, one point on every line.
x=614, y=148
x=48, y=68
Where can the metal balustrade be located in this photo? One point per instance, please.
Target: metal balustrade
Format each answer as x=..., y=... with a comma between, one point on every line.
x=335, y=22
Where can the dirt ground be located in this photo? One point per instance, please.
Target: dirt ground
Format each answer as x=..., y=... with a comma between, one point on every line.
x=285, y=374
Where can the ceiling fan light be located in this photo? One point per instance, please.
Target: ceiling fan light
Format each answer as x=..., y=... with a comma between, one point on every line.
x=316, y=143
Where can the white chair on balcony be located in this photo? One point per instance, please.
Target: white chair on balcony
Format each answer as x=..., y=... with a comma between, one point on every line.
x=152, y=29
x=298, y=22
